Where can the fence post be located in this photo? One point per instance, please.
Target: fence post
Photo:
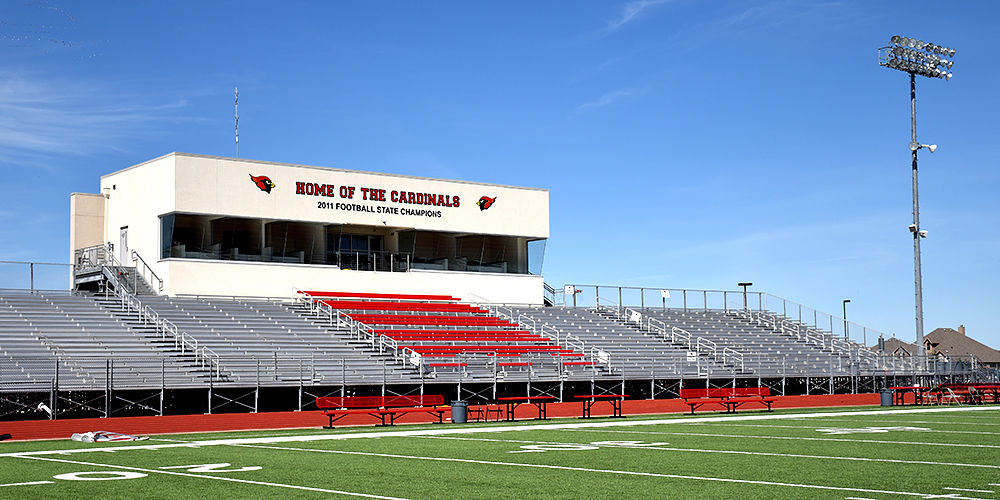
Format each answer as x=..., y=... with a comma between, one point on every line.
x=55, y=398
x=31, y=272
x=107, y=388
x=52, y=398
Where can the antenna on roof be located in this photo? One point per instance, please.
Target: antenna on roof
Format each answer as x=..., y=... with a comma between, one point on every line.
x=237, y=92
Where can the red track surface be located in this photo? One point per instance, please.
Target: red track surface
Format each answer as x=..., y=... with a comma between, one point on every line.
x=173, y=424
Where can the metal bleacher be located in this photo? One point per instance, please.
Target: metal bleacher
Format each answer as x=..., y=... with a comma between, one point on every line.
x=262, y=341
x=67, y=341
x=766, y=352
x=632, y=351
x=44, y=335
x=710, y=343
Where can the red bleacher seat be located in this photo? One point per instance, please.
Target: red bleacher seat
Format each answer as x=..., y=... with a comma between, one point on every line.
x=355, y=305
x=390, y=296
x=439, y=326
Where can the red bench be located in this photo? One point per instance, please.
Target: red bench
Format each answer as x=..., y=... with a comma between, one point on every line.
x=504, y=349
x=729, y=397
x=389, y=296
x=437, y=337
x=408, y=319
x=614, y=399
x=381, y=407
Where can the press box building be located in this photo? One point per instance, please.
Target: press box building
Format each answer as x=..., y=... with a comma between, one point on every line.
x=222, y=226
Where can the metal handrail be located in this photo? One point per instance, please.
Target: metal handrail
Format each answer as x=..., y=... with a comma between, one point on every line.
x=546, y=331
x=695, y=343
x=182, y=340
x=713, y=300
x=137, y=258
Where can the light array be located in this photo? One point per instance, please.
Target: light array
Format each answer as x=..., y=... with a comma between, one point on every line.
x=917, y=57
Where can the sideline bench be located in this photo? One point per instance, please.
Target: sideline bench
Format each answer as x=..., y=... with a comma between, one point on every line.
x=381, y=407
x=729, y=397
x=614, y=399
x=539, y=402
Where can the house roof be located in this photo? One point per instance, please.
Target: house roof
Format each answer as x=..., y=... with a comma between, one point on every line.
x=949, y=341
x=894, y=346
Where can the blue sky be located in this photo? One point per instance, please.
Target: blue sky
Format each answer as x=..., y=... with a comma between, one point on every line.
x=685, y=144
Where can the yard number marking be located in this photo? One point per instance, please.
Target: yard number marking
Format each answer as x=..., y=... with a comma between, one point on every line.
x=638, y=444
x=868, y=430
x=220, y=467
x=542, y=448
x=99, y=476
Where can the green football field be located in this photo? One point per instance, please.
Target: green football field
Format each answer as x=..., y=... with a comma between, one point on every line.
x=947, y=452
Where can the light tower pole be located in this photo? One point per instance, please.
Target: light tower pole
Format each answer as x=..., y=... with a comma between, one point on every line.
x=926, y=59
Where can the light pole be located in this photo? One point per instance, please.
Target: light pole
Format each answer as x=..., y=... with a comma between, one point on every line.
x=916, y=57
x=846, y=336
x=744, y=285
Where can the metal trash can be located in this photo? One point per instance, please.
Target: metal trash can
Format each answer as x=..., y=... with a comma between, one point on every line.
x=459, y=412
x=886, y=397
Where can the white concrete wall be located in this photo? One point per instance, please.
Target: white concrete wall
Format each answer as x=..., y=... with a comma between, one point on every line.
x=138, y=196
x=185, y=183
x=211, y=185
x=278, y=280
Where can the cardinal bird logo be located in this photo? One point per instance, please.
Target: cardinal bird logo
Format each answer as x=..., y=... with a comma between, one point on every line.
x=485, y=202
x=263, y=182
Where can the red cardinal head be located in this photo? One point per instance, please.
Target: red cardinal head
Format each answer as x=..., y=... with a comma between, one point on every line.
x=485, y=202
x=263, y=182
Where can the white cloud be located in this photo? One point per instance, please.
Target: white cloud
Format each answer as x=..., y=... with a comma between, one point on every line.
x=606, y=99
x=631, y=11
x=44, y=117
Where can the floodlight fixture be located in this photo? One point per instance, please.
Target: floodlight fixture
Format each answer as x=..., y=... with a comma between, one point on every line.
x=917, y=57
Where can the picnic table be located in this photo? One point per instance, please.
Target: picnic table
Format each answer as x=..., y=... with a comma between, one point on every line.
x=539, y=402
x=590, y=399
x=991, y=390
x=900, y=392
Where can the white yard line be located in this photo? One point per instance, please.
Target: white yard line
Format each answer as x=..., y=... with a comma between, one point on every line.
x=932, y=422
x=31, y=483
x=470, y=429
x=796, y=438
x=725, y=452
x=984, y=433
x=967, y=489
x=203, y=476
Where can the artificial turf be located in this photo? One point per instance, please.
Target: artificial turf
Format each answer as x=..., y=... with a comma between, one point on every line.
x=846, y=453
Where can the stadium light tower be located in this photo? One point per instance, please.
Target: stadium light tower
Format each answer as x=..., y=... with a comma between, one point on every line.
x=917, y=57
